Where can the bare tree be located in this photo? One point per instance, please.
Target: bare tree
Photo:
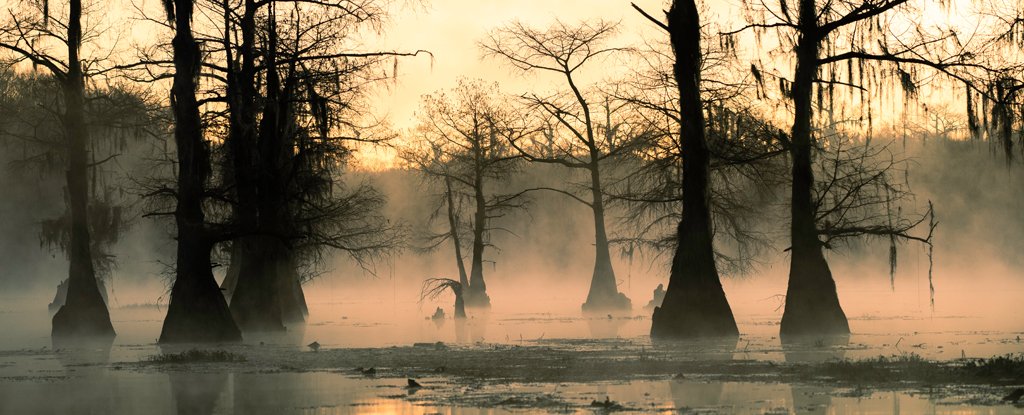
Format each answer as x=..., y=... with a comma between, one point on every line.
x=465, y=146
x=563, y=50
x=435, y=287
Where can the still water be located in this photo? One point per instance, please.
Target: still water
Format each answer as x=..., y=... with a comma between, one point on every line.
x=123, y=392
x=35, y=380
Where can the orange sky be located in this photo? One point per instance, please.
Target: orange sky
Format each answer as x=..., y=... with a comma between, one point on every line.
x=451, y=30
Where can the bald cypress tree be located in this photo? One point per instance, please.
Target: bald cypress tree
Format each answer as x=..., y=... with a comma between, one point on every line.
x=197, y=311
x=695, y=304
x=830, y=40
x=84, y=313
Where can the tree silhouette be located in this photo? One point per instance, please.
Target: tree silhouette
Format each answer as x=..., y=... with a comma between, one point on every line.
x=197, y=311
x=830, y=39
x=572, y=114
x=84, y=314
x=465, y=146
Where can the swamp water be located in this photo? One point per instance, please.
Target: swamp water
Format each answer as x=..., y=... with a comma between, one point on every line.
x=35, y=379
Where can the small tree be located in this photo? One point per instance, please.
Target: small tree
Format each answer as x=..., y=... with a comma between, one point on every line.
x=465, y=146
x=435, y=287
x=573, y=116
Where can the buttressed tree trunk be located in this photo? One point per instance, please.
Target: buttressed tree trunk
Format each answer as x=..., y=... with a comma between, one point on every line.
x=256, y=303
x=241, y=141
x=197, y=311
x=604, y=294
x=269, y=292
x=812, y=304
x=293, y=301
x=695, y=304
x=84, y=313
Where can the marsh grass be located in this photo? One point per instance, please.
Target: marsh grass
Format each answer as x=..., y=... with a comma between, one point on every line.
x=197, y=356
x=1009, y=368
x=910, y=367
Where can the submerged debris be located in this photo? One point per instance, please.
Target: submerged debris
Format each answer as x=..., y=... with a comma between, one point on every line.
x=436, y=346
x=413, y=384
x=607, y=405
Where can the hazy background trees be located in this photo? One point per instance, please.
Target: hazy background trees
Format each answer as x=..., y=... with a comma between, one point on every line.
x=572, y=116
x=464, y=147
x=272, y=101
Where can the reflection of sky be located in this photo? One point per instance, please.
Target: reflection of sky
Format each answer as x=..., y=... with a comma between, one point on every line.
x=199, y=392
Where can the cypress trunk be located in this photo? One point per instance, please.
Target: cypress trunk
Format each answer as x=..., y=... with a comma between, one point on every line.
x=293, y=300
x=255, y=303
x=264, y=286
x=460, y=306
x=241, y=142
x=695, y=303
x=812, y=304
x=84, y=314
x=477, y=293
x=604, y=294
x=197, y=311
x=453, y=223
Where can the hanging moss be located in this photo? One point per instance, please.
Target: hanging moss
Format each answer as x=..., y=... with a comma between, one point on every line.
x=972, y=116
x=907, y=83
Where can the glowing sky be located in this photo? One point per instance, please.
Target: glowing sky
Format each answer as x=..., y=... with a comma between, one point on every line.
x=452, y=30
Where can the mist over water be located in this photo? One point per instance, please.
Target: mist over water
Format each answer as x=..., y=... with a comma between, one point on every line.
x=542, y=271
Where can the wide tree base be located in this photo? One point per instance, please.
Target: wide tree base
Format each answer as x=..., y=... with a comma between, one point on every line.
x=809, y=320
x=617, y=302
x=707, y=315
x=294, y=310
x=198, y=329
x=87, y=323
x=812, y=309
x=199, y=316
x=812, y=301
